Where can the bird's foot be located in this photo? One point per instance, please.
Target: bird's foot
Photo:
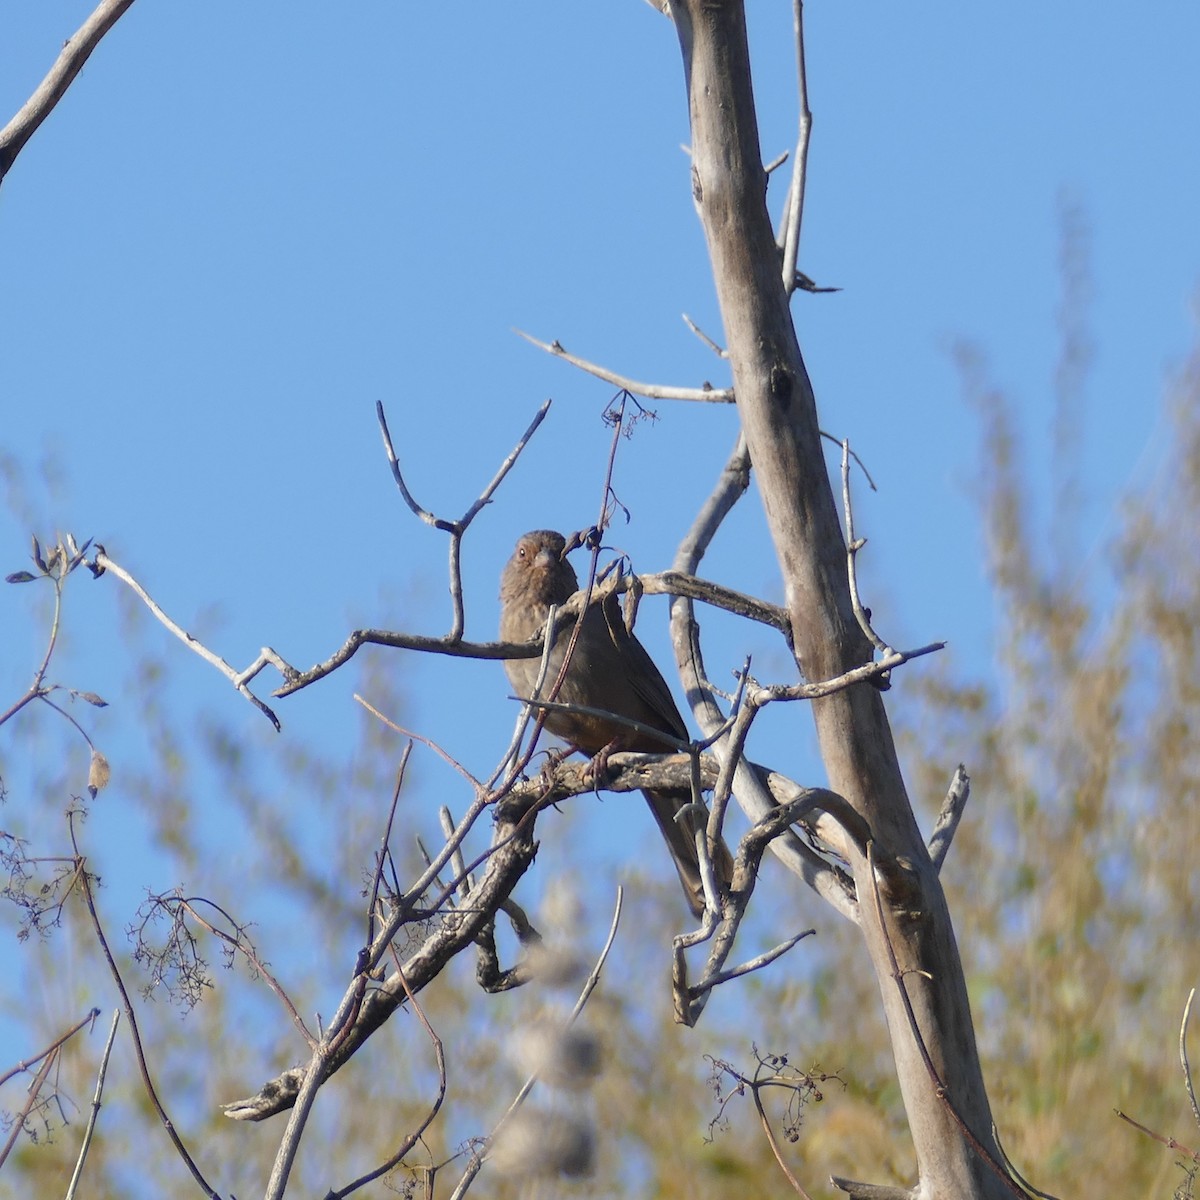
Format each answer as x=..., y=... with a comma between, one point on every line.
x=552, y=760
x=598, y=767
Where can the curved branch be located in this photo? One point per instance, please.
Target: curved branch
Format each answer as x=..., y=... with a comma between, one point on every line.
x=239, y=679
x=666, y=583
x=653, y=391
x=752, y=794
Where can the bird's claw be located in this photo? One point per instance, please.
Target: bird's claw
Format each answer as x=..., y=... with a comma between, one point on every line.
x=598, y=768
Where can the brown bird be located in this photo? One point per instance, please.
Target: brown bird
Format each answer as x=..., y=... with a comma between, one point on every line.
x=609, y=670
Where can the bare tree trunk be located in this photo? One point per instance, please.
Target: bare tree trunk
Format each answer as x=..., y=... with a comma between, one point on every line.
x=778, y=413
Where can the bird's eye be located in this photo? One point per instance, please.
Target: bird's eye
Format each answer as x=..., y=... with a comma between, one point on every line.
x=522, y=551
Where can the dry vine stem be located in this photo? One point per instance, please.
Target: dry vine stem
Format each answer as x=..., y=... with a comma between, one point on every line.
x=126, y=1003
x=413, y=1138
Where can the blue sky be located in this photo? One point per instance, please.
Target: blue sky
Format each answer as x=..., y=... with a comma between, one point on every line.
x=247, y=223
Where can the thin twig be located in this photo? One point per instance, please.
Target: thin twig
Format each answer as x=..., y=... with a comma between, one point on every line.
x=652, y=391
x=775, y=1150
x=1012, y=1170
x=34, y=1090
x=733, y=744
x=37, y=689
x=512, y=762
x=444, y=755
x=457, y=862
x=62, y=712
x=435, y=1107
x=839, y=443
x=238, y=678
x=385, y=843
x=94, y=1113
x=585, y=710
x=853, y=546
x=805, y=284
x=760, y=695
x=57, y=1044
x=1169, y=1142
x=242, y=944
x=707, y=834
x=1183, y=1055
x=719, y=351
x=756, y=964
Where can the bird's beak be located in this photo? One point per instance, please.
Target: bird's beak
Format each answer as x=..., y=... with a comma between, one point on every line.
x=546, y=560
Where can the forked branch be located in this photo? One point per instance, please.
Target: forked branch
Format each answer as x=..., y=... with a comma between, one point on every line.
x=456, y=529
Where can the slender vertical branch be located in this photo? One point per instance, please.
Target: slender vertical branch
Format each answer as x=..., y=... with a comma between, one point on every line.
x=794, y=217
x=1183, y=1056
x=94, y=1111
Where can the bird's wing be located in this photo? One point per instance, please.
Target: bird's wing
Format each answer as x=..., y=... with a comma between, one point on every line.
x=643, y=676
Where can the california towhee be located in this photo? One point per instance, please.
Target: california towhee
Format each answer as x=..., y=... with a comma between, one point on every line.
x=609, y=670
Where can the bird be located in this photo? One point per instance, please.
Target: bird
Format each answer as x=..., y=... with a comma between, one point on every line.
x=609, y=670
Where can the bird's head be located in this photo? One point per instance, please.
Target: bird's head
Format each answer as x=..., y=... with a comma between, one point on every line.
x=538, y=571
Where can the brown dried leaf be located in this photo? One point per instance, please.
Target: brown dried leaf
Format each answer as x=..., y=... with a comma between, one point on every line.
x=98, y=773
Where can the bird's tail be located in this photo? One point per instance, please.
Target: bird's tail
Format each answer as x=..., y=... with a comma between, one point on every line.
x=680, y=836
